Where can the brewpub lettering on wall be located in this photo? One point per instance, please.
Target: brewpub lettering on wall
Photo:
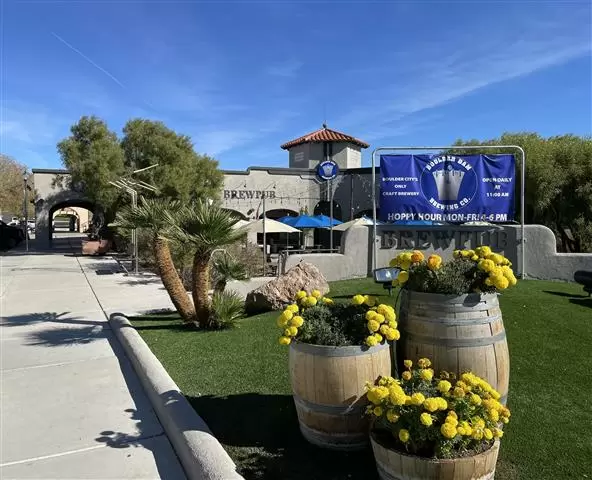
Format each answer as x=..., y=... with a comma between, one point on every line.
x=248, y=194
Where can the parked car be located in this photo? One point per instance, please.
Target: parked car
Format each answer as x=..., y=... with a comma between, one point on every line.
x=10, y=236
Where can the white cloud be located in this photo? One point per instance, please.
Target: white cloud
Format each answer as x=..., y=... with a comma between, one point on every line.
x=437, y=77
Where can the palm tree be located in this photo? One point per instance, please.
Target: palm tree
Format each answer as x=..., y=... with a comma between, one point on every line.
x=207, y=228
x=227, y=268
x=156, y=215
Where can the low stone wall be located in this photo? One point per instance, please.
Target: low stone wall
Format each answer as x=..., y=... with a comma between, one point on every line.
x=541, y=260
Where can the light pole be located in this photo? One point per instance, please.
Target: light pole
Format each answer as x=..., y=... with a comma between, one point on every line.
x=26, y=226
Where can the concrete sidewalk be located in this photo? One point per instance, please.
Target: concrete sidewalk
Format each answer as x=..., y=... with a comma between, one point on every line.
x=71, y=405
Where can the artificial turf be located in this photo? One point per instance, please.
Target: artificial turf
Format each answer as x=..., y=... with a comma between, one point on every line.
x=237, y=380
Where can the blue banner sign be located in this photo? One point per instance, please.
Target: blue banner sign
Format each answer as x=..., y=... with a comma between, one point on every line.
x=447, y=188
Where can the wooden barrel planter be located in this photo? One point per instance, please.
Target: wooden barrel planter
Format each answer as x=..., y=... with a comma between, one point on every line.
x=457, y=333
x=328, y=387
x=393, y=465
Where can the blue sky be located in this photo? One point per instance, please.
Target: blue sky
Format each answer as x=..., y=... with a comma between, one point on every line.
x=243, y=77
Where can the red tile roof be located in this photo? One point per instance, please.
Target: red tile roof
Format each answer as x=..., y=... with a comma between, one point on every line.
x=324, y=135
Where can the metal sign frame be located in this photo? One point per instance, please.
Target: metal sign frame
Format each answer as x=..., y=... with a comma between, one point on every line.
x=454, y=147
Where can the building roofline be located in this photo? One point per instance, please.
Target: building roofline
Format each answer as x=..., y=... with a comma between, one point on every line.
x=57, y=171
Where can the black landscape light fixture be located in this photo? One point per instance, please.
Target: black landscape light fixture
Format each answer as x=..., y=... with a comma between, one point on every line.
x=385, y=276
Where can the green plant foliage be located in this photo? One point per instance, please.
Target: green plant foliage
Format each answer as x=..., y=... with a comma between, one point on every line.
x=558, y=183
x=227, y=309
x=454, y=278
x=335, y=325
x=227, y=268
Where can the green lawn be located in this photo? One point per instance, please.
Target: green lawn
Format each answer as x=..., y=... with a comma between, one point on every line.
x=237, y=380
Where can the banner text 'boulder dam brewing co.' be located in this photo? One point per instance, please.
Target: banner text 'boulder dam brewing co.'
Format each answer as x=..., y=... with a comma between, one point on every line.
x=447, y=188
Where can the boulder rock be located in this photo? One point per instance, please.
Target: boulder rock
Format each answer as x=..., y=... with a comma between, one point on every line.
x=282, y=290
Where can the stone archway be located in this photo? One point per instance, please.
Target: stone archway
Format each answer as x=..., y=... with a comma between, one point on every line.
x=45, y=209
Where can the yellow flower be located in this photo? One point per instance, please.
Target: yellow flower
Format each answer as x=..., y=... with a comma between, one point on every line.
x=358, y=299
x=493, y=415
x=282, y=321
x=371, y=341
x=444, y=386
x=393, y=334
x=477, y=434
x=311, y=301
x=479, y=422
x=408, y=363
x=297, y=321
x=373, y=326
x=370, y=314
x=448, y=430
x=434, y=262
x=442, y=404
x=475, y=399
x=369, y=300
x=424, y=363
x=426, y=419
x=431, y=404
x=301, y=294
x=500, y=282
x=327, y=301
x=377, y=411
x=391, y=416
x=452, y=414
x=498, y=433
x=397, y=395
x=488, y=434
x=451, y=420
x=316, y=294
x=483, y=251
x=406, y=375
x=404, y=435
x=486, y=265
x=426, y=374
x=384, y=329
x=378, y=337
x=377, y=394
x=403, y=277
x=496, y=258
x=417, y=398
x=460, y=430
x=475, y=258
x=293, y=308
x=291, y=332
x=390, y=317
x=458, y=392
x=379, y=318
x=417, y=256
x=285, y=340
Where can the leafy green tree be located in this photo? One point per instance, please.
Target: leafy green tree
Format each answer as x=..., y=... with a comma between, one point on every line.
x=11, y=187
x=155, y=215
x=206, y=228
x=93, y=156
x=558, y=184
x=181, y=173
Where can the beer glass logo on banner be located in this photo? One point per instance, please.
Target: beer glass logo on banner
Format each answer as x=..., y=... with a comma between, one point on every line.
x=448, y=183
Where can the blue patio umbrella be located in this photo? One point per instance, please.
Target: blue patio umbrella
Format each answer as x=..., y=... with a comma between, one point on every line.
x=302, y=221
x=326, y=221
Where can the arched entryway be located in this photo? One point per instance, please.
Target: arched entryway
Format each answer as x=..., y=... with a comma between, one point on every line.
x=279, y=213
x=69, y=220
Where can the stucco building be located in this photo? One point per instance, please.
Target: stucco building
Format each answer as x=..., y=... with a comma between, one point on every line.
x=288, y=191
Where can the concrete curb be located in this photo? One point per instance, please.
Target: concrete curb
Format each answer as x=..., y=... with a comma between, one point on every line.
x=200, y=453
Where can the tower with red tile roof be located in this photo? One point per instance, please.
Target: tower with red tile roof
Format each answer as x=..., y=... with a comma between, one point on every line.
x=325, y=144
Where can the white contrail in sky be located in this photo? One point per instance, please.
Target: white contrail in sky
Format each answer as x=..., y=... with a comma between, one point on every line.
x=112, y=77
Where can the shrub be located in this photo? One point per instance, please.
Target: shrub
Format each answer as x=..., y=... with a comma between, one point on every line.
x=227, y=309
x=435, y=417
x=316, y=320
x=479, y=270
x=226, y=268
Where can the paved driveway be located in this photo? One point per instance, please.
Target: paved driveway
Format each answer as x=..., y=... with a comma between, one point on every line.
x=71, y=405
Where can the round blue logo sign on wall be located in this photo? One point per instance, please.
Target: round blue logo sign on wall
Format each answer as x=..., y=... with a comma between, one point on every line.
x=327, y=170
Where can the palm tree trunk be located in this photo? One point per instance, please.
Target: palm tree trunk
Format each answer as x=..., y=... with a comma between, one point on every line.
x=171, y=281
x=200, y=289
